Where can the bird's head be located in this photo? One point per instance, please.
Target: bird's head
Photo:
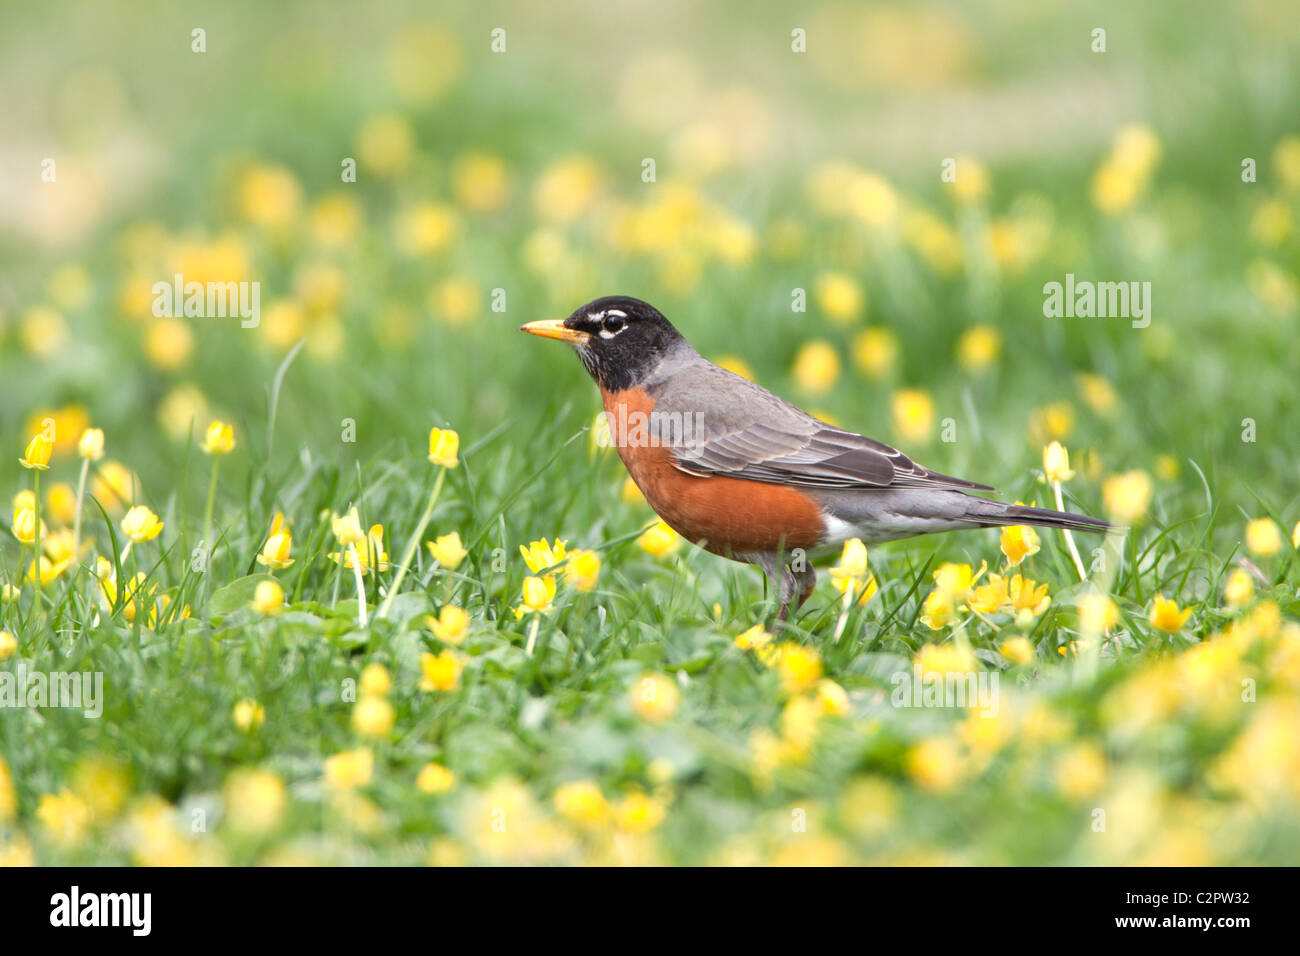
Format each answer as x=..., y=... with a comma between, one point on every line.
x=619, y=339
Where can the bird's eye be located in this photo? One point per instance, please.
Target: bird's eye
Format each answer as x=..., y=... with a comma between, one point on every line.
x=612, y=323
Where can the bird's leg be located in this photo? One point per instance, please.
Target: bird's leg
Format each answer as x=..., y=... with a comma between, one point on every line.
x=806, y=577
x=789, y=586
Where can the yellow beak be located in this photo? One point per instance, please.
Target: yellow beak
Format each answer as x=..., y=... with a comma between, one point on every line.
x=555, y=329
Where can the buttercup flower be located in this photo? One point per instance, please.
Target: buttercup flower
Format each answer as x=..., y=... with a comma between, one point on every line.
x=1263, y=537
x=582, y=569
x=979, y=347
x=447, y=550
x=8, y=647
x=451, y=624
x=1056, y=463
x=582, y=802
x=373, y=717
x=350, y=769
x=1018, y=542
x=1097, y=613
x=91, y=444
x=753, y=639
x=444, y=445
x=1127, y=495
x=38, y=453
x=24, y=526
x=538, y=594
x=440, y=671
x=140, y=524
x=375, y=681
x=1239, y=589
x=248, y=714
x=913, y=413
x=659, y=540
x=275, y=553
x=654, y=697
x=268, y=597
x=219, y=440
x=435, y=778
x=541, y=555
x=347, y=529
x=1166, y=616
x=366, y=555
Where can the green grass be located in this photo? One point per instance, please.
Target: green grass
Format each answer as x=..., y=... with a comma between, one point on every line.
x=1150, y=746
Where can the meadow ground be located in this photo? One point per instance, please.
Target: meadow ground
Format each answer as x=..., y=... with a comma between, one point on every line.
x=317, y=631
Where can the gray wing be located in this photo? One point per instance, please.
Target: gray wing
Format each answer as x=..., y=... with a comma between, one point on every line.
x=753, y=434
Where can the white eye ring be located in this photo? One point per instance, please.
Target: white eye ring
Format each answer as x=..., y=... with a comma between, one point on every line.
x=612, y=323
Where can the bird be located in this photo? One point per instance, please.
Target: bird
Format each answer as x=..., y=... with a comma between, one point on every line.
x=749, y=476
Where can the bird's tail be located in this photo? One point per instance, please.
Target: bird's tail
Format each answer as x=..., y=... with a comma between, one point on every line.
x=997, y=513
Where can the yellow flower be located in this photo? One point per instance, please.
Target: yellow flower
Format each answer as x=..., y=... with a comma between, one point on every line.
x=831, y=698
x=945, y=659
x=440, y=671
x=1056, y=463
x=64, y=815
x=566, y=189
x=839, y=296
x=1127, y=495
x=268, y=597
x=451, y=625
x=935, y=764
x=971, y=182
x=349, y=769
x=913, y=413
x=248, y=714
x=875, y=351
x=375, y=681
x=1166, y=616
x=541, y=555
x=988, y=598
x=979, y=347
x=347, y=529
x=799, y=667
x=372, y=717
x=851, y=573
x=479, y=182
x=654, y=697
x=8, y=646
x=939, y=608
x=816, y=366
x=435, y=778
x=1018, y=542
x=25, y=500
x=268, y=196
x=538, y=594
x=1240, y=588
x=659, y=540
x=62, y=503
x=1098, y=394
x=385, y=145
x=639, y=813
x=1263, y=538
x=956, y=579
x=444, y=444
x=275, y=553
x=255, y=800
x=219, y=439
x=1017, y=650
x=1027, y=599
x=582, y=569
x=582, y=802
x=447, y=550
x=140, y=524
x=368, y=554
x=1097, y=613
x=753, y=639
x=1295, y=535
x=24, y=526
x=455, y=300
x=1051, y=421
x=38, y=453
x=426, y=228
x=1080, y=771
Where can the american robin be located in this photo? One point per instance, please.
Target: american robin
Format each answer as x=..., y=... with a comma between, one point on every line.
x=746, y=474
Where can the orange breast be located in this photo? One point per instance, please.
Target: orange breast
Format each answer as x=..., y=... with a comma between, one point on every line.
x=725, y=515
